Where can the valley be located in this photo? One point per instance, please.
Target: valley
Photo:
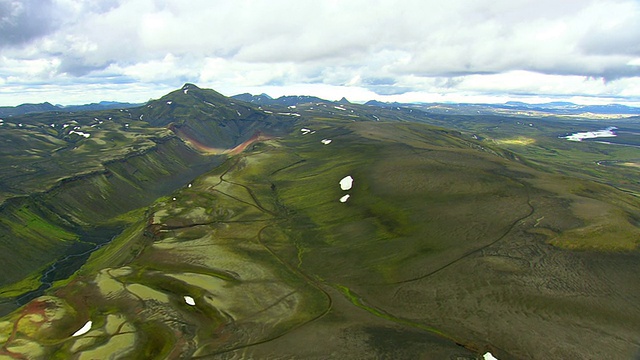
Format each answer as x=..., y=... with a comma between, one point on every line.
x=234, y=229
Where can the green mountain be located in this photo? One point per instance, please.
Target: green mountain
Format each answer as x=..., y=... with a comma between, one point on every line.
x=201, y=226
x=26, y=109
x=265, y=99
x=75, y=171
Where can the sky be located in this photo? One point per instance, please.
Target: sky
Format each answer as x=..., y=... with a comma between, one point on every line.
x=492, y=51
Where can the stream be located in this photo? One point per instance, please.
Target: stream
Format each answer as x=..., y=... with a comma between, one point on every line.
x=67, y=265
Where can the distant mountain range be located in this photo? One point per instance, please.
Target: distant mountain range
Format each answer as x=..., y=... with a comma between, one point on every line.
x=264, y=99
x=557, y=108
x=571, y=108
x=513, y=107
x=46, y=106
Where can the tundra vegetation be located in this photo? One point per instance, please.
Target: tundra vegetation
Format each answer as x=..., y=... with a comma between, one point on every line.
x=212, y=228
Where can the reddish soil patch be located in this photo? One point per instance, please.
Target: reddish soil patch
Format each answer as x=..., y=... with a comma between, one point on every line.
x=36, y=307
x=241, y=147
x=258, y=136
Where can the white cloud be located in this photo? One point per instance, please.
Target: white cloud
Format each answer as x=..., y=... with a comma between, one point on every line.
x=634, y=62
x=480, y=47
x=167, y=68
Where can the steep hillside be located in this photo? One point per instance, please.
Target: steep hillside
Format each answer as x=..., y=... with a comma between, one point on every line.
x=208, y=119
x=82, y=170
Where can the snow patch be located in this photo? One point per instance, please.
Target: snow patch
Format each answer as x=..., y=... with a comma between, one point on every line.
x=344, y=198
x=289, y=114
x=169, y=102
x=86, y=135
x=189, y=300
x=238, y=112
x=185, y=91
x=189, y=185
x=268, y=112
x=339, y=108
x=346, y=183
x=489, y=356
x=83, y=330
x=326, y=141
x=306, y=131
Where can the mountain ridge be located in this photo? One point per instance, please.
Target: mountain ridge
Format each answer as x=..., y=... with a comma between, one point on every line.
x=554, y=107
x=28, y=108
x=129, y=156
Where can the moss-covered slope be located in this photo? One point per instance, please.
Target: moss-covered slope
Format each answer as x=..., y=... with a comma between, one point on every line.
x=441, y=250
x=87, y=168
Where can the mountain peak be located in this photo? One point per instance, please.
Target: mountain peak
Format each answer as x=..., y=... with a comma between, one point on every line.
x=344, y=101
x=188, y=86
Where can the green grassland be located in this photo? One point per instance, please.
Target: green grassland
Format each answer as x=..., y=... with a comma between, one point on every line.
x=461, y=235
x=441, y=236
x=539, y=142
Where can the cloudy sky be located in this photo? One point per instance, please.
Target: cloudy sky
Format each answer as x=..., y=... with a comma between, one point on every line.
x=79, y=51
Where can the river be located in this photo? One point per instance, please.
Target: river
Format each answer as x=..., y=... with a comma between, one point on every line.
x=75, y=256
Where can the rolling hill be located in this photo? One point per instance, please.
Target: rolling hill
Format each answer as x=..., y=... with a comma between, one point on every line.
x=202, y=226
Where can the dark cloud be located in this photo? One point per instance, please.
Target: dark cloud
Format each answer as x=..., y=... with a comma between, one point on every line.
x=448, y=82
x=26, y=20
x=607, y=72
x=77, y=66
